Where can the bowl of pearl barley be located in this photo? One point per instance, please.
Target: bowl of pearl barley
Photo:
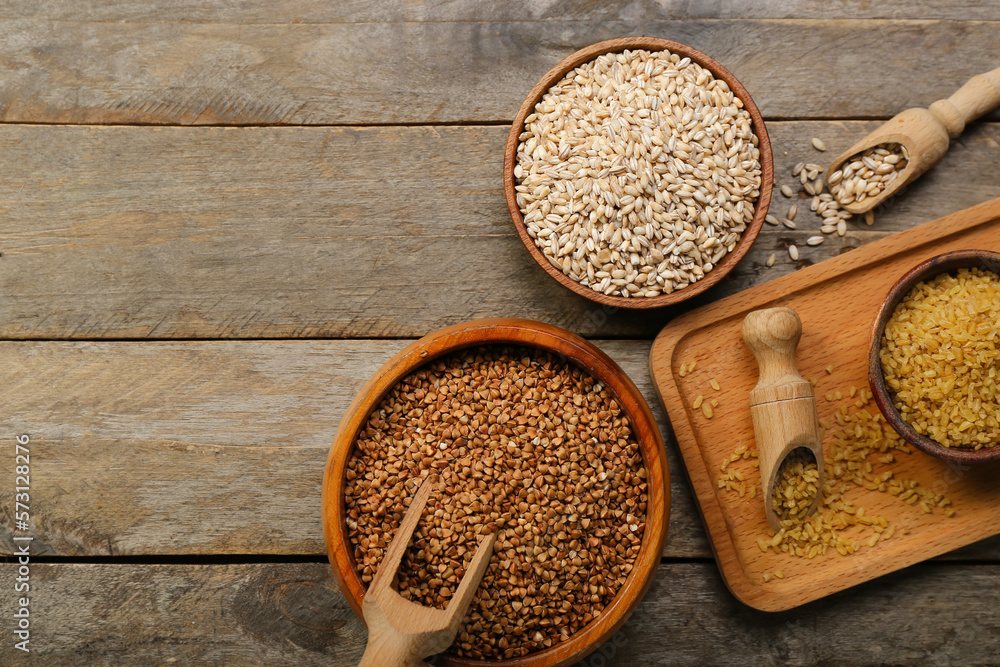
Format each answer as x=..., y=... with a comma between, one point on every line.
x=638, y=172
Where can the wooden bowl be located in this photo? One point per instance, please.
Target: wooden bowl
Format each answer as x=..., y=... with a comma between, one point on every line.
x=944, y=263
x=566, y=346
x=651, y=44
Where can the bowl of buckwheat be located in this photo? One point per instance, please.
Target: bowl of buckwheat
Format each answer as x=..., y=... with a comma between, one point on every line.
x=534, y=434
x=638, y=172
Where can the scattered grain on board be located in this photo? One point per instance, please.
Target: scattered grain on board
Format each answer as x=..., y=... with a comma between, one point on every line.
x=859, y=450
x=507, y=430
x=770, y=260
x=787, y=191
x=940, y=357
x=793, y=252
x=637, y=173
x=818, y=144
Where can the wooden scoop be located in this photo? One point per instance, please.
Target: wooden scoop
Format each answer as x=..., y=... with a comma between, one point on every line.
x=402, y=633
x=782, y=404
x=925, y=133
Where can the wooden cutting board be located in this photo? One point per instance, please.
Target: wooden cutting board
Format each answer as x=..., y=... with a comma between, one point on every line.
x=837, y=301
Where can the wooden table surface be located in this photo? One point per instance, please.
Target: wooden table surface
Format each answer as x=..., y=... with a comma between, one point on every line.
x=217, y=220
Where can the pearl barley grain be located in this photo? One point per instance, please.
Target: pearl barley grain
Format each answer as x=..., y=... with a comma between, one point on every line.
x=868, y=173
x=641, y=163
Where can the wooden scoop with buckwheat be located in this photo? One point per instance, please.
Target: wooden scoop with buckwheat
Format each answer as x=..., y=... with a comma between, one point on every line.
x=402, y=633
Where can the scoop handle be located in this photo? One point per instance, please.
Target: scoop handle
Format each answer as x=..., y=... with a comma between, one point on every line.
x=979, y=95
x=772, y=335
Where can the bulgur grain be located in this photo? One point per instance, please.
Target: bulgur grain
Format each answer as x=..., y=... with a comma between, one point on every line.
x=862, y=436
x=940, y=357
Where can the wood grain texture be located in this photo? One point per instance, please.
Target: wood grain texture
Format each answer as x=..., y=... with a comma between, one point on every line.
x=253, y=614
x=837, y=302
x=185, y=71
x=211, y=240
x=426, y=11
x=133, y=443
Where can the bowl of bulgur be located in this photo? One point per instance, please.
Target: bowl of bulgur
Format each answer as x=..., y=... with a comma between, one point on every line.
x=934, y=362
x=638, y=172
x=535, y=434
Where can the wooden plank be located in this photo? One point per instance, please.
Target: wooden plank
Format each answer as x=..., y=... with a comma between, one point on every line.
x=143, y=449
x=204, y=447
x=269, y=613
x=124, y=232
x=194, y=72
x=688, y=618
x=427, y=11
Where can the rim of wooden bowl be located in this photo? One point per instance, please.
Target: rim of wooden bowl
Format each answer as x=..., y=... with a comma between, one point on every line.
x=766, y=163
x=943, y=263
x=570, y=347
